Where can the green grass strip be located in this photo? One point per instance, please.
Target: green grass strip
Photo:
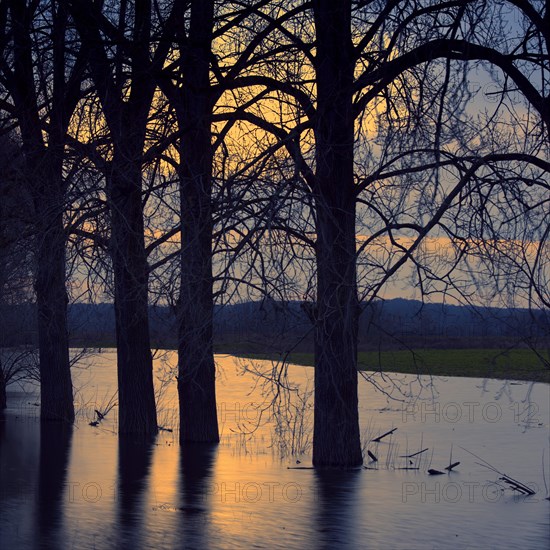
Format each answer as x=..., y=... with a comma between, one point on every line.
x=517, y=364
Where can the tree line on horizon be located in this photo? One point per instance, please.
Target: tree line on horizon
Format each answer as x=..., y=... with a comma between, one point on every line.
x=188, y=152
x=270, y=328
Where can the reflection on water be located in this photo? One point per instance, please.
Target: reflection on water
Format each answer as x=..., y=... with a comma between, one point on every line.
x=134, y=463
x=337, y=510
x=88, y=488
x=55, y=446
x=195, y=483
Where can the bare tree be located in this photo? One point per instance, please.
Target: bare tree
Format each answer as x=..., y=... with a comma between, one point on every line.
x=15, y=263
x=41, y=80
x=119, y=40
x=192, y=99
x=395, y=65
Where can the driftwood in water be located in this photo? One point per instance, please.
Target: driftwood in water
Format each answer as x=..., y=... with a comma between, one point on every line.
x=451, y=466
x=380, y=437
x=514, y=484
x=517, y=485
x=372, y=456
x=414, y=454
x=162, y=428
x=433, y=472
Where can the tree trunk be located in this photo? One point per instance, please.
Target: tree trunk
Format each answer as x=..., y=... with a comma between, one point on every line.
x=56, y=401
x=3, y=402
x=43, y=166
x=336, y=440
x=126, y=115
x=3, y=270
x=136, y=398
x=196, y=380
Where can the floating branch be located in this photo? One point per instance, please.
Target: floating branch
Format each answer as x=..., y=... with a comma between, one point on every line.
x=372, y=456
x=517, y=486
x=415, y=454
x=380, y=437
x=321, y=469
x=514, y=483
x=433, y=472
x=451, y=466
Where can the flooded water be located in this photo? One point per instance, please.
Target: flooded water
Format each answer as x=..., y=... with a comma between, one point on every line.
x=84, y=487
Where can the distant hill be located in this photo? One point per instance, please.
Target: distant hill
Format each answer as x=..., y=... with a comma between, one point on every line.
x=268, y=326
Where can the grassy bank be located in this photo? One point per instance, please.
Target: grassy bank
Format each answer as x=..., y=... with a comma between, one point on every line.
x=518, y=364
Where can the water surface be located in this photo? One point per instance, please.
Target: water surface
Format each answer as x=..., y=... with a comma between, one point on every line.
x=84, y=487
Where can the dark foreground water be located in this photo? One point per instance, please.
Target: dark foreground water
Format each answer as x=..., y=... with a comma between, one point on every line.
x=84, y=487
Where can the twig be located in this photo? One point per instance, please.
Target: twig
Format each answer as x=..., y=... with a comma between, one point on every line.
x=514, y=483
x=415, y=454
x=377, y=439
